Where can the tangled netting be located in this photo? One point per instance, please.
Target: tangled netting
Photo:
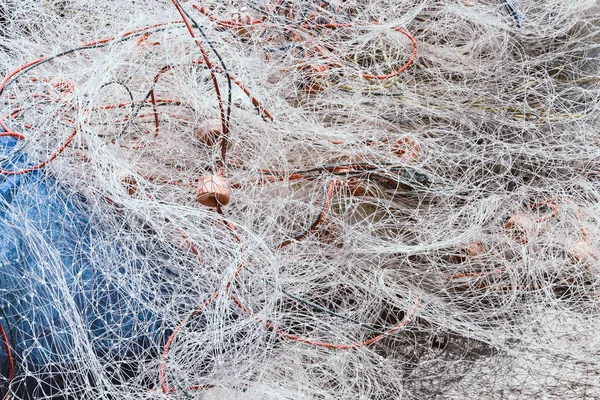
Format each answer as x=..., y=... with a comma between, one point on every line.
x=296, y=199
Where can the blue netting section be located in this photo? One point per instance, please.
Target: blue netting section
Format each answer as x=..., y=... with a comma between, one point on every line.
x=56, y=283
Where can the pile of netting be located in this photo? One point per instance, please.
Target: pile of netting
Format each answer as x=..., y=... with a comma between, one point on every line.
x=295, y=199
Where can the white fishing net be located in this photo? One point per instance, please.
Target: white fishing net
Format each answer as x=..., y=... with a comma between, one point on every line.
x=399, y=199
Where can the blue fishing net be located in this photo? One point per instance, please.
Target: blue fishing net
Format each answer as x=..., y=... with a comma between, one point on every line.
x=59, y=297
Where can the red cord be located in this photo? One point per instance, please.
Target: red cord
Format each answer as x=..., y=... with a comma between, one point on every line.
x=411, y=59
x=12, y=134
x=129, y=33
x=43, y=163
x=11, y=362
x=155, y=111
x=163, y=364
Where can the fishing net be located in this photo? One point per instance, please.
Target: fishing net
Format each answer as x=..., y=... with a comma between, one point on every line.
x=299, y=199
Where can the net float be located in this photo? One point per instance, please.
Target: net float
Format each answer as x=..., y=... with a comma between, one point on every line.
x=130, y=184
x=407, y=149
x=520, y=226
x=213, y=191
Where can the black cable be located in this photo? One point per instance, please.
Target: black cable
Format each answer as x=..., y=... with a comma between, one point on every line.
x=225, y=70
x=126, y=88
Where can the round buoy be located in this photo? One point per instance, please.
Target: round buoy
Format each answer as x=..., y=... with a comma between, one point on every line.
x=582, y=252
x=475, y=249
x=407, y=149
x=243, y=23
x=209, y=131
x=213, y=191
x=357, y=187
x=520, y=226
x=469, y=250
x=63, y=85
x=314, y=78
x=130, y=184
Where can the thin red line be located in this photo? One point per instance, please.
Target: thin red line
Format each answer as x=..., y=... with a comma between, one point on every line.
x=11, y=362
x=43, y=163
